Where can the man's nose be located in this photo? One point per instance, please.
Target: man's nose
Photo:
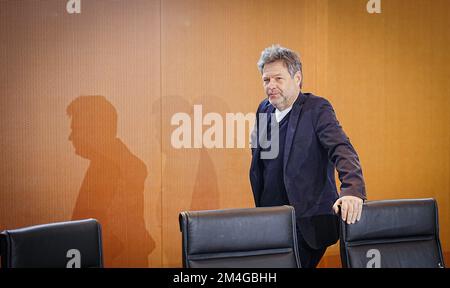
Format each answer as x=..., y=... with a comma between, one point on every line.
x=70, y=136
x=272, y=84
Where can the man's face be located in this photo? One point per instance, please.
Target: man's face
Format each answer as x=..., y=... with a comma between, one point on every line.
x=281, y=89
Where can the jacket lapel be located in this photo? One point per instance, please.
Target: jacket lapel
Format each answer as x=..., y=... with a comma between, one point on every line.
x=270, y=113
x=292, y=126
x=261, y=133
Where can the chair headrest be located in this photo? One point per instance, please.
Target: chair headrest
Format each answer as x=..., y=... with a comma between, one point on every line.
x=48, y=245
x=394, y=219
x=238, y=229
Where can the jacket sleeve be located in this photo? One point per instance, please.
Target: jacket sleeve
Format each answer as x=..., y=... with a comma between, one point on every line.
x=340, y=151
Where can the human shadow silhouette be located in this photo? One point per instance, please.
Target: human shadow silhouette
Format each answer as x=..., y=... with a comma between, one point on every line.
x=113, y=187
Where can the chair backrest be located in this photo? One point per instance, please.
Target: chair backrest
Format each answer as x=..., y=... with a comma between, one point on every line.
x=56, y=245
x=239, y=238
x=393, y=234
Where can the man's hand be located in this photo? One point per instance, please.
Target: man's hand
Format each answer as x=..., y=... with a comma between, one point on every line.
x=351, y=208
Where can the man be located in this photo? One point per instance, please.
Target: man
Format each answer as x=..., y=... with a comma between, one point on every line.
x=311, y=145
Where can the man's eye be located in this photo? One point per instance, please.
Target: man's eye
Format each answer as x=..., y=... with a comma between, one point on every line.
x=279, y=78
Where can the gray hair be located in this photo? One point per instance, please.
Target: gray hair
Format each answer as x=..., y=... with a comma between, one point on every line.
x=289, y=58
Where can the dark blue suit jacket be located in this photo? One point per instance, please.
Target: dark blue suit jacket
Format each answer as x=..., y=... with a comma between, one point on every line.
x=315, y=146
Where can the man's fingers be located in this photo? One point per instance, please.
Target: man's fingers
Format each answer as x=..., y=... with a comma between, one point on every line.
x=357, y=208
x=360, y=211
x=336, y=206
x=350, y=213
x=351, y=208
x=344, y=209
x=355, y=211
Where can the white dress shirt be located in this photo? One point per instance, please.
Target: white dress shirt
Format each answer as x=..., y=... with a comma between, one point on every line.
x=279, y=115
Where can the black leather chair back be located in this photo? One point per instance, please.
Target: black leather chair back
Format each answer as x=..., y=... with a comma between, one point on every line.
x=240, y=238
x=393, y=234
x=52, y=245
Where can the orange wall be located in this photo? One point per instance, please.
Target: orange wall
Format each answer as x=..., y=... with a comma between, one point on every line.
x=384, y=73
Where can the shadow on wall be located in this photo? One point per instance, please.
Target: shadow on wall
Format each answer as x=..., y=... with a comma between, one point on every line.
x=203, y=180
x=113, y=187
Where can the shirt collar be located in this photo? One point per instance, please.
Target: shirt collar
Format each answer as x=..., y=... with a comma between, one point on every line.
x=279, y=115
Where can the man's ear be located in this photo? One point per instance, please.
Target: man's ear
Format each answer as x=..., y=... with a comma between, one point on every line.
x=298, y=78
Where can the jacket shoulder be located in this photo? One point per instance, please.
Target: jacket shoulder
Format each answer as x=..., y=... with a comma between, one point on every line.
x=263, y=105
x=315, y=101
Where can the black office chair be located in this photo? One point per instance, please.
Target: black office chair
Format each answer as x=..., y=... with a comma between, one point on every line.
x=240, y=238
x=57, y=245
x=393, y=234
